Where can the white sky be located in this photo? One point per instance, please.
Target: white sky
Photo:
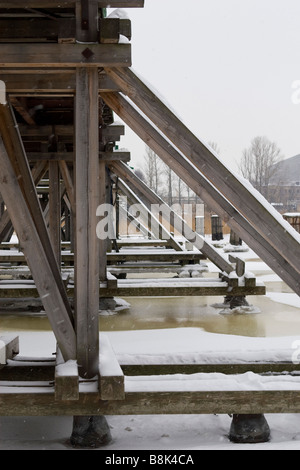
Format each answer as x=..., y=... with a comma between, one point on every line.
x=225, y=66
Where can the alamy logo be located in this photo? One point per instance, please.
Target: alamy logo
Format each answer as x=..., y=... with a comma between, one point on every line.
x=2, y=92
x=137, y=216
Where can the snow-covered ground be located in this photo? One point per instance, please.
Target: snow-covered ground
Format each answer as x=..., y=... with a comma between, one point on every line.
x=173, y=345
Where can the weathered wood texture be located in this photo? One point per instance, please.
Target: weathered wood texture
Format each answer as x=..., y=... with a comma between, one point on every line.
x=87, y=200
x=64, y=55
x=25, y=179
x=47, y=81
x=66, y=379
x=36, y=257
x=243, y=197
x=203, y=188
x=42, y=403
x=111, y=377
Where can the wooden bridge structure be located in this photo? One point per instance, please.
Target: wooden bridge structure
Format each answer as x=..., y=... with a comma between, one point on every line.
x=65, y=72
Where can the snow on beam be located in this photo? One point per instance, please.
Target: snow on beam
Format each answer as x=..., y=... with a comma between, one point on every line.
x=66, y=379
x=111, y=377
x=9, y=347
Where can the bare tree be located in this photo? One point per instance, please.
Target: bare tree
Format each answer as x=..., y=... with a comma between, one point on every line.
x=153, y=170
x=258, y=163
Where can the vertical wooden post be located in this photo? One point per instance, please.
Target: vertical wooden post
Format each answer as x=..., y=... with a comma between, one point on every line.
x=55, y=209
x=86, y=242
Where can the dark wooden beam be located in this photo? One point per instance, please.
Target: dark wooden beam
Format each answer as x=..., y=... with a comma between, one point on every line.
x=69, y=3
x=65, y=55
x=33, y=82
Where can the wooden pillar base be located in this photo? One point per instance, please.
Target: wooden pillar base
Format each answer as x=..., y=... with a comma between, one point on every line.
x=249, y=429
x=90, y=431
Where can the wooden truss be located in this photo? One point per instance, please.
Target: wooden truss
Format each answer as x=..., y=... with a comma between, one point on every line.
x=65, y=74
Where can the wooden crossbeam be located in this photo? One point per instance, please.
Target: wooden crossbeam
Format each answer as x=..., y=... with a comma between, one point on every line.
x=14, y=402
x=264, y=218
x=47, y=81
x=64, y=55
x=203, y=188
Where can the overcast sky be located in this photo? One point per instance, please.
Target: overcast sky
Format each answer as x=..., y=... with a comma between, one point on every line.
x=225, y=66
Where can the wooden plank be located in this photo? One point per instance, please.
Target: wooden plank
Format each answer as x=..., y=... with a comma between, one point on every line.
x=203, y=188
x=86, y=242
x=260, y=214
x=180, y=288
x=111, y=377
x=65, y=55
x=36, y=258
x=42, y=403
x=66, y=379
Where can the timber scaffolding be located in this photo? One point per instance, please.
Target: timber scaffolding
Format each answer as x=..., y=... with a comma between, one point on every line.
x=66, y=71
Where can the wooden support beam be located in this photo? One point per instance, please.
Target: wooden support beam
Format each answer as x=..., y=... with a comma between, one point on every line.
x=87, y=200
x=112, y=28
x=37, y=260
x=42, y=402
x=203, y=188
x=50, y=156
x=114, y=156
x=68, y=183
x=70, y=3
x=111, y=376
x=37, y=29
x=66, y=379
x=33, y=82
x=15, y=150
x=64, y=55
x=149, y=197
x=55, y=209
x=260, y=214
